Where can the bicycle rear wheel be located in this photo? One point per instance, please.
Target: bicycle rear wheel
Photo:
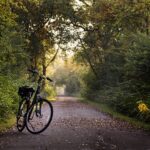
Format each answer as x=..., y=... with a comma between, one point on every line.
x=39, y=116
x=21, y=115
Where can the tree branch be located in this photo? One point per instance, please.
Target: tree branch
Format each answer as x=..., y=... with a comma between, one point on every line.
x=88, y=58
x=52, y=58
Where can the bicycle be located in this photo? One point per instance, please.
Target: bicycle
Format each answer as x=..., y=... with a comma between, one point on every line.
x=34, y=112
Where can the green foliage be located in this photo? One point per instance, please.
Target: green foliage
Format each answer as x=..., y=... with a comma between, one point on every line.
x=27, y=40
x=43, y=23
x=12, y=55
x=138, y=64
x=115, y=47
x=72, y=84
x=122, y=88
x=13, y=59
x=49, y=91
x=12, y=42
x=68, y=75
x=8, y=97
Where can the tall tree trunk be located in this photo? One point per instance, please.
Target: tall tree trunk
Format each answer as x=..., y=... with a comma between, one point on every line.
x=147, y=25
x=44, y=68
x=147, y=20
x=35, y=63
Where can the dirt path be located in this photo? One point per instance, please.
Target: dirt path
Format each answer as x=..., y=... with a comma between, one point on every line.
x=78, y=126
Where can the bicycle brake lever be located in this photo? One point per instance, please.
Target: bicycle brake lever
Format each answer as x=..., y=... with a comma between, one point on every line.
x=49, y=79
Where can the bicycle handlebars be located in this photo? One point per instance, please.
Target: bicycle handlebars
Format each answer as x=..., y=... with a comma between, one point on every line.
x=33, y=71
x=36, y=72
x=49, y=79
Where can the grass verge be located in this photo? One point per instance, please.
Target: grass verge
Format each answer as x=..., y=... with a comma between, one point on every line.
x=106, y=109
x=6, y=124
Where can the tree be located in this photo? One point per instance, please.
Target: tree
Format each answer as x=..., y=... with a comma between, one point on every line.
x=12, y=43
x=41, y=20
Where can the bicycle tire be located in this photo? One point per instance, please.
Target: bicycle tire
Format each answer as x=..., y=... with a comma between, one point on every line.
x=20, y=114
x=32, y=110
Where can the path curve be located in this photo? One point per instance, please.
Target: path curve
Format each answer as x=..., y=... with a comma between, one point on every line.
x=78, y=126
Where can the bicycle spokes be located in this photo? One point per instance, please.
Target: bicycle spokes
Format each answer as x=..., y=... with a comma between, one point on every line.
x=39, y=116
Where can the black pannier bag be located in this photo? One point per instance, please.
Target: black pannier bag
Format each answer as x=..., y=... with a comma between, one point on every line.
x=25, y=91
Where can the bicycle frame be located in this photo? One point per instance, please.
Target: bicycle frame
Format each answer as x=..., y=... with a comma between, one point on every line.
x=37, y=98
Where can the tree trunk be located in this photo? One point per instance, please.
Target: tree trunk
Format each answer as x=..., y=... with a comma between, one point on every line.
x=44, y=69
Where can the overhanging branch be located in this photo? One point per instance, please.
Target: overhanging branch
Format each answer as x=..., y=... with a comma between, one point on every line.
x=55, y=55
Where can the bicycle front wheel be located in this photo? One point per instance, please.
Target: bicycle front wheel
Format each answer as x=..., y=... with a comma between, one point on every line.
x=39, y=116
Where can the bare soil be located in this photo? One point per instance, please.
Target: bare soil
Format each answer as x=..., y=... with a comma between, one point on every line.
x=78, y=126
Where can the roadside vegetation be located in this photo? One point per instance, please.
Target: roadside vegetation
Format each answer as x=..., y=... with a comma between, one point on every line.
x=117, y=52
x=135, y=123
x=67, y=75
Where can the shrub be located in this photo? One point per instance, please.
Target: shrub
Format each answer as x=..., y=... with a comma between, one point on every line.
x=121, y=84
x=48, y=92
x=8, y=97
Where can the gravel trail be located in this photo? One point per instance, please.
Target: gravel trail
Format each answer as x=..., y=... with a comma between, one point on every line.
x=78, y=126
